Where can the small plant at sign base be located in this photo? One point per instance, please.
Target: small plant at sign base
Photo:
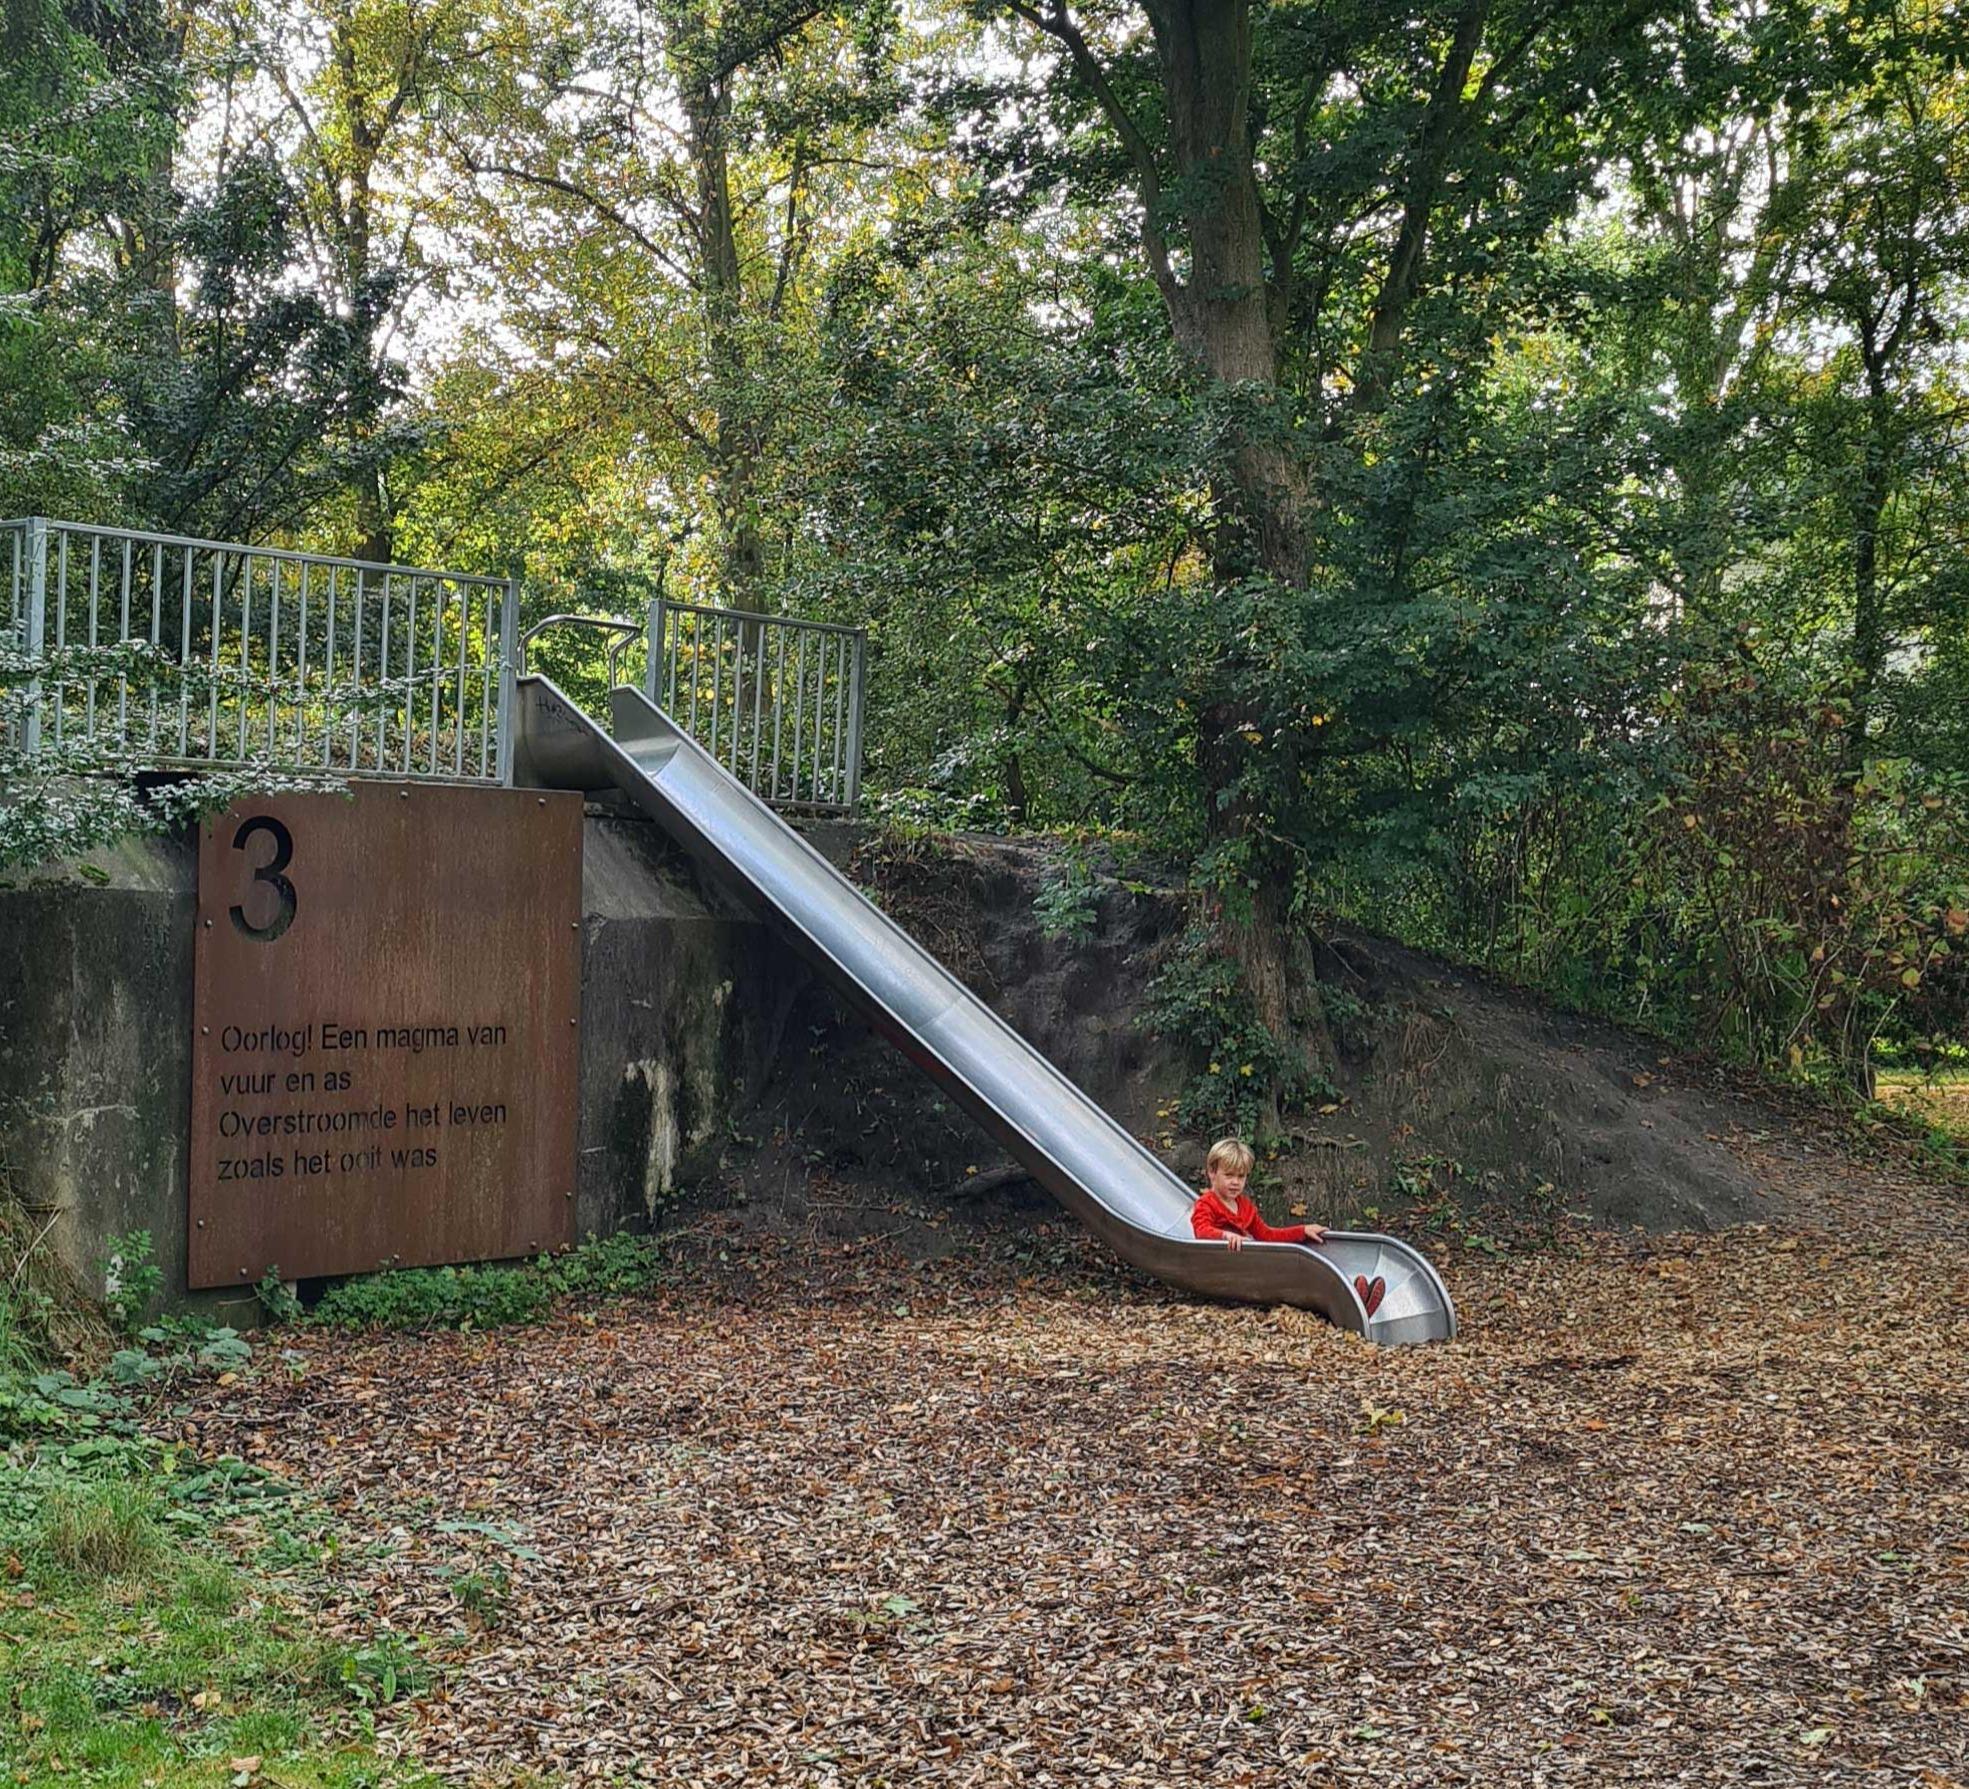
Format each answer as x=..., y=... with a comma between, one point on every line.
x=437, y=1298
x=278, y=1299
x=131, y=1280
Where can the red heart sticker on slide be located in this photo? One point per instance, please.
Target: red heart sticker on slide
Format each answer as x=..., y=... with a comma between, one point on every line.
x=1371, y=1291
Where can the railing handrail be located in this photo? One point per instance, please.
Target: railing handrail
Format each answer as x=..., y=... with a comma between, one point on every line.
x=629, y=630
x=309, y=660
x=291, y=554
x=275, y=650
x=782, y=701
x=821, y=627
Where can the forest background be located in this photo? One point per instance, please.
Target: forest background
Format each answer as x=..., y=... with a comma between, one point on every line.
x=1490, y=470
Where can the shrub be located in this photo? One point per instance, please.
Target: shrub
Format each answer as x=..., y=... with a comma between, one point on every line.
x=490, y=1297
x=131, y=1280
x=1245, y=1073
x=1818, y=904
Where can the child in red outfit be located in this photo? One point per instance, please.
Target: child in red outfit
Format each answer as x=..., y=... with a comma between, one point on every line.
x=1224, y=1212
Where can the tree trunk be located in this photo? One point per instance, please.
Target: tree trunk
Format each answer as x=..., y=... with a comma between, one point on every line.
x=707, y=108
x=1220, y=319
x=1219, y=314
x=375, y=527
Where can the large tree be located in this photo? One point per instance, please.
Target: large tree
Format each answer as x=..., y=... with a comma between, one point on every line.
x=1304, y=181
x=653, y=196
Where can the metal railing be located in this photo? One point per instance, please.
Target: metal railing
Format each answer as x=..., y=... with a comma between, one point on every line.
x=192, y=652
x=621, y=636
x=777, y=701
x=184, y=652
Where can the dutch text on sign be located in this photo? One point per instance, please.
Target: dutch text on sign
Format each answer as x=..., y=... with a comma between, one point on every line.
x=387, y=993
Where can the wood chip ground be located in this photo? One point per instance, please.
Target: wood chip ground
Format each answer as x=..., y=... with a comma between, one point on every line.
x=1680, y=1511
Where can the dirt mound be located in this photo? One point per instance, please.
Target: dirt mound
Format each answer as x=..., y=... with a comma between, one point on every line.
x=1459, y=1092
x=1461, y=1105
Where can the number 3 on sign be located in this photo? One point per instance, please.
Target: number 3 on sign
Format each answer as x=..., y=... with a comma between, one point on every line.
x=269, y=873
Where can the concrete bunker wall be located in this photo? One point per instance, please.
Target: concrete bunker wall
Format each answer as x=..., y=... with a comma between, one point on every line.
x=684, y=1001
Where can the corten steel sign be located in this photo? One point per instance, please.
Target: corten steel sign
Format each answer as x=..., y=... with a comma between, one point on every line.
x=385, y=1034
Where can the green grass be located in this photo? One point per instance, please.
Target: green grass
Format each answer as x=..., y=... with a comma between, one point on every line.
x=153, y=1606
x=1940, y=1099
x=1930, y=1110
x=108, y=1528
x=153, y=1624
x=162, y=1678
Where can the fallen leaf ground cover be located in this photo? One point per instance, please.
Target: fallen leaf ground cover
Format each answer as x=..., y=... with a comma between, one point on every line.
x=1671, y=1510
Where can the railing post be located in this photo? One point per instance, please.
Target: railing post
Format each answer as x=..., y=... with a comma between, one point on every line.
x=37, y=625
x=509, y=615
x=856, y=697
x=652, y=671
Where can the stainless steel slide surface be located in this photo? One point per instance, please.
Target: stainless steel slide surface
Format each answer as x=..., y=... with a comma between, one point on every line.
x=1063, y=1139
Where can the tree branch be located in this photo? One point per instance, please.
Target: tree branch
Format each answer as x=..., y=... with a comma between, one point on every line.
x=1058, y=25
x=595, y=202
x=1282, y=241
x=1435, y=138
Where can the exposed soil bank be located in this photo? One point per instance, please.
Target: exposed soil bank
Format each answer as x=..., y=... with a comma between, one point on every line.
x=1460, y=1104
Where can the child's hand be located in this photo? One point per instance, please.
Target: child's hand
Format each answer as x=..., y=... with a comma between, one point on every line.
x=1233, y=1241
x=1315, y=1232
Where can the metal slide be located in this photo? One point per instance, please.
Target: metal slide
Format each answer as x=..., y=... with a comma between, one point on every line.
x=1061, y=1137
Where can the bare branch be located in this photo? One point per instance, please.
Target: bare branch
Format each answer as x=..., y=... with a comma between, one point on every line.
x=1058, y=24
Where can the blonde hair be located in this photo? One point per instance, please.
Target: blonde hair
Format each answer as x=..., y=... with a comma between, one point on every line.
x=1229, y=1154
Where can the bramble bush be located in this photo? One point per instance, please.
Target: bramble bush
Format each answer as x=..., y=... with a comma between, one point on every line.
x=1815, y=905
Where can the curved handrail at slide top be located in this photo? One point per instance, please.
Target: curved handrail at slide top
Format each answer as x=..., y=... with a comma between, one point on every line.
x=1063, y=1139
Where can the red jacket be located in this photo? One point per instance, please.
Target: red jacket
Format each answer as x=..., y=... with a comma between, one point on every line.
x=1213, y=1219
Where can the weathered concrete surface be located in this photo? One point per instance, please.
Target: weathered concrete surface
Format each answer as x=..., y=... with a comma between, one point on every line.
x=684, y=1001
x=95, y=1049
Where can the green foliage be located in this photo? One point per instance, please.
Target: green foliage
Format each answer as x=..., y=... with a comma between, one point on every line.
x=481, y=1592
x=280, y=1302
x=1068, y=905
x=607, y=1266
x=127, y=1593
x=131, y=1280
x=1246, y=1076
x=437, y=1298
x=1588, y=356
x=384, y=1671
x=490, y=1297
x=1820, y=905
